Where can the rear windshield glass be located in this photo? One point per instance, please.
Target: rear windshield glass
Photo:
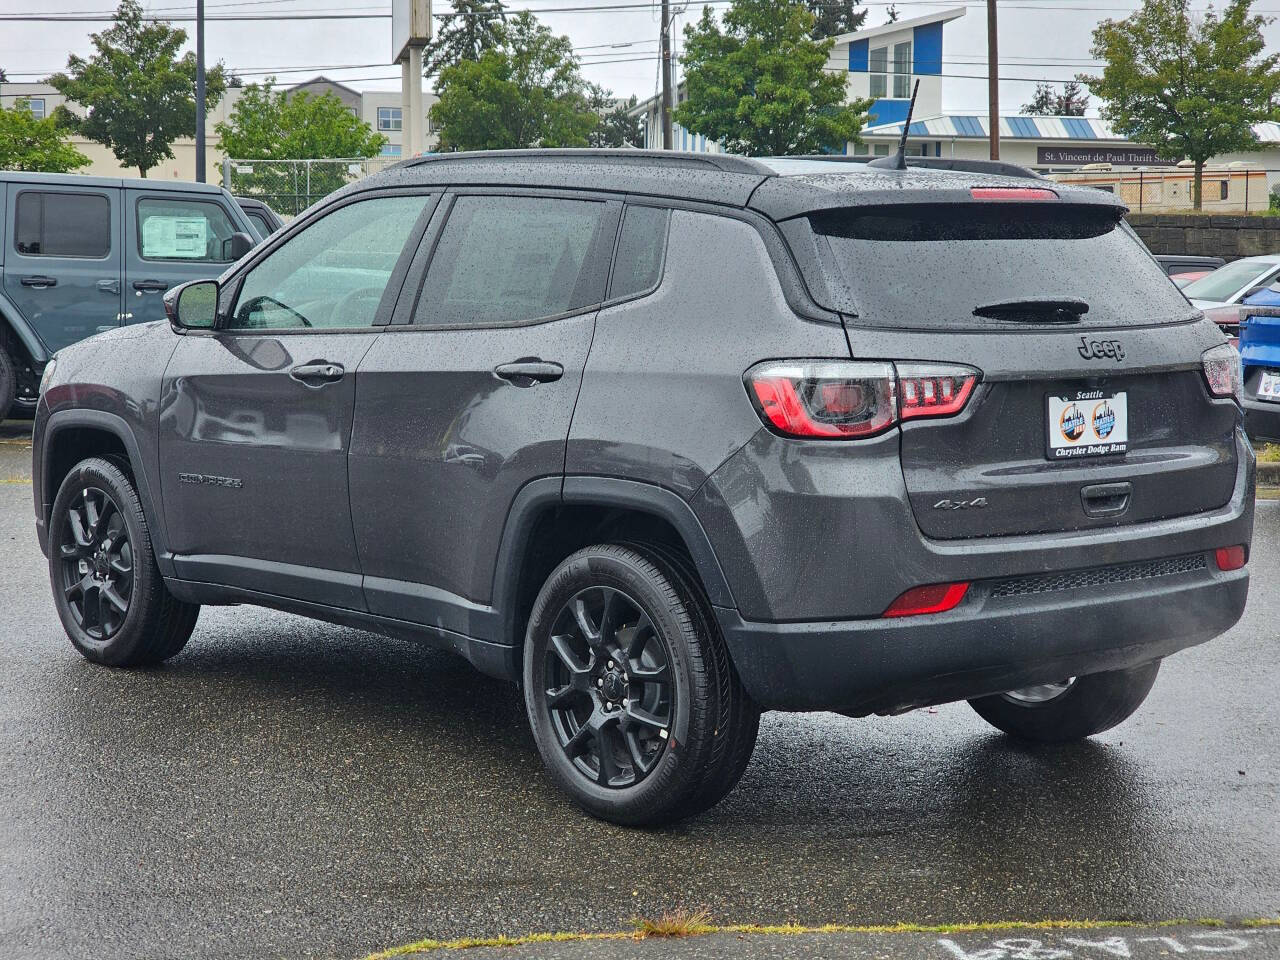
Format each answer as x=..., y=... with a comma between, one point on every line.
x=1225, y=281
x=932, y=266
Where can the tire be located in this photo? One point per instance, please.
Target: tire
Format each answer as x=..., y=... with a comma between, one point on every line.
x=685, y=740
x=1089, y=705
x=8, y=383
x=109, y=594
x=739, y=717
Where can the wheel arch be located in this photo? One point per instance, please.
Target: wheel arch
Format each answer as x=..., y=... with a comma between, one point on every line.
x=550, y=520
x=12, y=321
x=70, y=436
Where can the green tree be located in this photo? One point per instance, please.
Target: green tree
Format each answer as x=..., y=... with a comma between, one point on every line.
x=618, y=128
x=1048, y=102
x=139, y=94
x=271, y=124
x=474, y=27
x=759, y=84
x=1188, y=87
x=35, y=145
x=527, y=92
x=834, y=17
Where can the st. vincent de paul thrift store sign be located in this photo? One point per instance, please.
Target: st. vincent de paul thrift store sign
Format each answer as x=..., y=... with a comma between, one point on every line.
x=1129, y=155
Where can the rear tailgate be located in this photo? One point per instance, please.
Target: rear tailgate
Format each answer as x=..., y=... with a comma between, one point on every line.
x=1093, y=409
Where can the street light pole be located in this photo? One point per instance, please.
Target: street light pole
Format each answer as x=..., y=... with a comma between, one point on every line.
x=993, y=81
x=668, y=137
x=200, y=171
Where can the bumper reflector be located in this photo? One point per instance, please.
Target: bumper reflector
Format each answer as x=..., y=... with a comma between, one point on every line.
x=1230, y=558
x=935, y=598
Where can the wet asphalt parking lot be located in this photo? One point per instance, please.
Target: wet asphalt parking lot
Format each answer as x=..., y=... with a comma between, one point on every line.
x=286, y=788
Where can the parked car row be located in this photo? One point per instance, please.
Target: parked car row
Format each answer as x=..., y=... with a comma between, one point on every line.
x=80, y=255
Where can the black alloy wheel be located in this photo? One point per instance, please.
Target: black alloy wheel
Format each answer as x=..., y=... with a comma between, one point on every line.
x=609, y=687
x=97, y=564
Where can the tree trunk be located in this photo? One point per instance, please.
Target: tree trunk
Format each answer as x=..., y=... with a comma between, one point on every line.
x=1196, y=185
x=142, y=172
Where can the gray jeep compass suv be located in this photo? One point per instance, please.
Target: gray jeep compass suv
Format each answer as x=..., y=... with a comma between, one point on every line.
x=670, y=440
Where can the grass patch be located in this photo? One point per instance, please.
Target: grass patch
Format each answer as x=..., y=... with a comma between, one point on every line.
x=1269, y=453
x=15, y=478
x=697, y=923
x=681, y=923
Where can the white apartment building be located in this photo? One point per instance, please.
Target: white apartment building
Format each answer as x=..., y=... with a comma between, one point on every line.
x=380, y=109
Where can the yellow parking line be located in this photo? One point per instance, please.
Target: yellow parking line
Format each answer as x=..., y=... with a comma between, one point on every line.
x=702, y=929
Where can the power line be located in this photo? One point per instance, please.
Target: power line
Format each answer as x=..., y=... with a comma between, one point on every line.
x=107, y=16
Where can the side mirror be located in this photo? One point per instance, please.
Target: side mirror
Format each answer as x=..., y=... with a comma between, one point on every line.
x=237, y=245
x=193, y=305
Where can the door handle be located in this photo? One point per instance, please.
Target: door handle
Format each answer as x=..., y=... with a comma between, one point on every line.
x=40, y=283
x=150, y=286
x=525, y=373
x=1106, y=499
x=108, y=286
x=317, y=374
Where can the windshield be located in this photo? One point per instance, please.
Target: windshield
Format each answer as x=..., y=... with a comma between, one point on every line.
x=934, y=265
x=1225, y=281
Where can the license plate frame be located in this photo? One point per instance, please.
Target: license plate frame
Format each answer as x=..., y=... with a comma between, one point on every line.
x=1269, y=386
x=1086, y=424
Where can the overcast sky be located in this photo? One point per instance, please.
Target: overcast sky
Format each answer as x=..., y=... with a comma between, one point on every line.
x=1039, y=39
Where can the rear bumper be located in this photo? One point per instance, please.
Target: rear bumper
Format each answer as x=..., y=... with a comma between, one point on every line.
x=1262, y=419
x=989, y=644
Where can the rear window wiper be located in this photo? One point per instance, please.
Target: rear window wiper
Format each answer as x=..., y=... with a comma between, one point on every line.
x=1035, y=310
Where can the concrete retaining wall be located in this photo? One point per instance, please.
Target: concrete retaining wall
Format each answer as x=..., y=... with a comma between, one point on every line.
x=1207, y=235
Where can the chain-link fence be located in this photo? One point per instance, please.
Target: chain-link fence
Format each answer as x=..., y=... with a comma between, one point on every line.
x=290, y=186
x=1227, y=190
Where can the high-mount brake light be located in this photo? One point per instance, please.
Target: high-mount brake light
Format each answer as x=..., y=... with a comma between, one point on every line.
x=935, y=598
x=848, y=399
x=1012, y=193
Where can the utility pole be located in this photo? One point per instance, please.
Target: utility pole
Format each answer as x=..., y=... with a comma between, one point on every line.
x=200, y=172
x=993, y=81
x=668, y=138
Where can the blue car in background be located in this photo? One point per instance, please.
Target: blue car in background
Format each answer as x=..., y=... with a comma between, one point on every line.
x=1260, y=360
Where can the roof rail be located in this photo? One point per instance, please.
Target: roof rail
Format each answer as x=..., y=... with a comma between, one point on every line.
x=962, y=164
x=727, y=162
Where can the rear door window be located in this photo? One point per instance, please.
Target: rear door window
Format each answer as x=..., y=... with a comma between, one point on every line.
x=508, y=259
x=187, y=230
x=931, y=266
x=76, y=225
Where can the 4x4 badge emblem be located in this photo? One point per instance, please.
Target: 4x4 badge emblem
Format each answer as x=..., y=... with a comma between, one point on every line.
x=977, y=503
x=1100, y=349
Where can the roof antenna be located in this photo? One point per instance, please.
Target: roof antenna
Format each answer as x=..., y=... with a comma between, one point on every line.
x=899, y=160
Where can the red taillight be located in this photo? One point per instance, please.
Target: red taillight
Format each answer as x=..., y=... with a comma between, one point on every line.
x=1012, y=193
x=1222, y=373
x=933, y=390
x=831, y=399
x=935, y=598
x=1231, y=558
x=845, y=399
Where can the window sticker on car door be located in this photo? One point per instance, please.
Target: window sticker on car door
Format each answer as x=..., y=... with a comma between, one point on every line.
x=1089, y=423
x=175, y=238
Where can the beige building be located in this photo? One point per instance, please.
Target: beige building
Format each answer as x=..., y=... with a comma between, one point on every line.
x=380, y=109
